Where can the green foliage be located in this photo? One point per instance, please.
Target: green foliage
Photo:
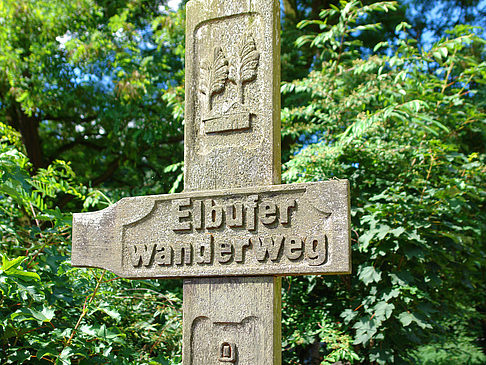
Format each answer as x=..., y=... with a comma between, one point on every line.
x=96, y=83
x=332, y=38
x=408, y=129
x=461, y=349
x=51, y=312
x=308, y=324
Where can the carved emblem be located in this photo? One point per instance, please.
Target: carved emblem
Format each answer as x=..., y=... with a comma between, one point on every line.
x=227, y=352
x=213, y=76
x=243, y=67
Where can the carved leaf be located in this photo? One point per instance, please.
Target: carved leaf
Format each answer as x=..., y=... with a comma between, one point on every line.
x=213, y=74
x=204, y=77
x=243, y=67
x=220, y=71
x=249, y=60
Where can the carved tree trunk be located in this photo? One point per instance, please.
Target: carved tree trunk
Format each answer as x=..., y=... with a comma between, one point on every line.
x=239, y=87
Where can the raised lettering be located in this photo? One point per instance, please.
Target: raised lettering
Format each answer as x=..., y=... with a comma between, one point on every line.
x=163, y=254
x=197, y=214
x=268, y=212
x=142, y=254
x=179, y=214
x=285, y=210
x=316, y=250
x=214, y=214
x=267, y=247
x=234, y=214
x=224, y=252
x=251, y=212
x=240, y=245
x=183, y=253
x=204, y=250
x=293, y=248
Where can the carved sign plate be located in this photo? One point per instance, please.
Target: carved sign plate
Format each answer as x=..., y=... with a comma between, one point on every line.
x=274, y=230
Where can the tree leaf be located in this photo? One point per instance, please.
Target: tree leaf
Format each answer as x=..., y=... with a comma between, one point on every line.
x=11, y=264
x=22, y=273
x=365, y=330
x=65, y=355
x=369, y=274
x=45, y=315
x=383, y=310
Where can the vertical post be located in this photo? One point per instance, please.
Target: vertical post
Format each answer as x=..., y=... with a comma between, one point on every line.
x=242, y=311
x=232, y=139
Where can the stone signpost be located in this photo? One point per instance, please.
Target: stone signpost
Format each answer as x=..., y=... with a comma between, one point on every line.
x=233, y=231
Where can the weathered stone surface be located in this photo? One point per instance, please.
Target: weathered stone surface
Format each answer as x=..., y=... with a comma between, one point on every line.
x=274, y=230
x=232, y=115
x=239, y=317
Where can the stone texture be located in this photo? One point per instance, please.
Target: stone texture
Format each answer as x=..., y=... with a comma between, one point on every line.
x=271, y=230
x=250, y=324
x=232, y=115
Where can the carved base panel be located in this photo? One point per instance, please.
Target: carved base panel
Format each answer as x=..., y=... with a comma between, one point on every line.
x=232, y=321
x=232, y=122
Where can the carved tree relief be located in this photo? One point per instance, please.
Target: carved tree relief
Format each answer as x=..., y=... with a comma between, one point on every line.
x=212, y=80
x=244, y=65
x=213, y=76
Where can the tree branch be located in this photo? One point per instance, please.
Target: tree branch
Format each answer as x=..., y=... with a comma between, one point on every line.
x=72, y=144
x=71, y=118
x=174, y=139
x=108, y=173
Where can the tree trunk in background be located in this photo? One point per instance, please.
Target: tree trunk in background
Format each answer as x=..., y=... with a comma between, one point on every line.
x=28, y=126
x=290, y=9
